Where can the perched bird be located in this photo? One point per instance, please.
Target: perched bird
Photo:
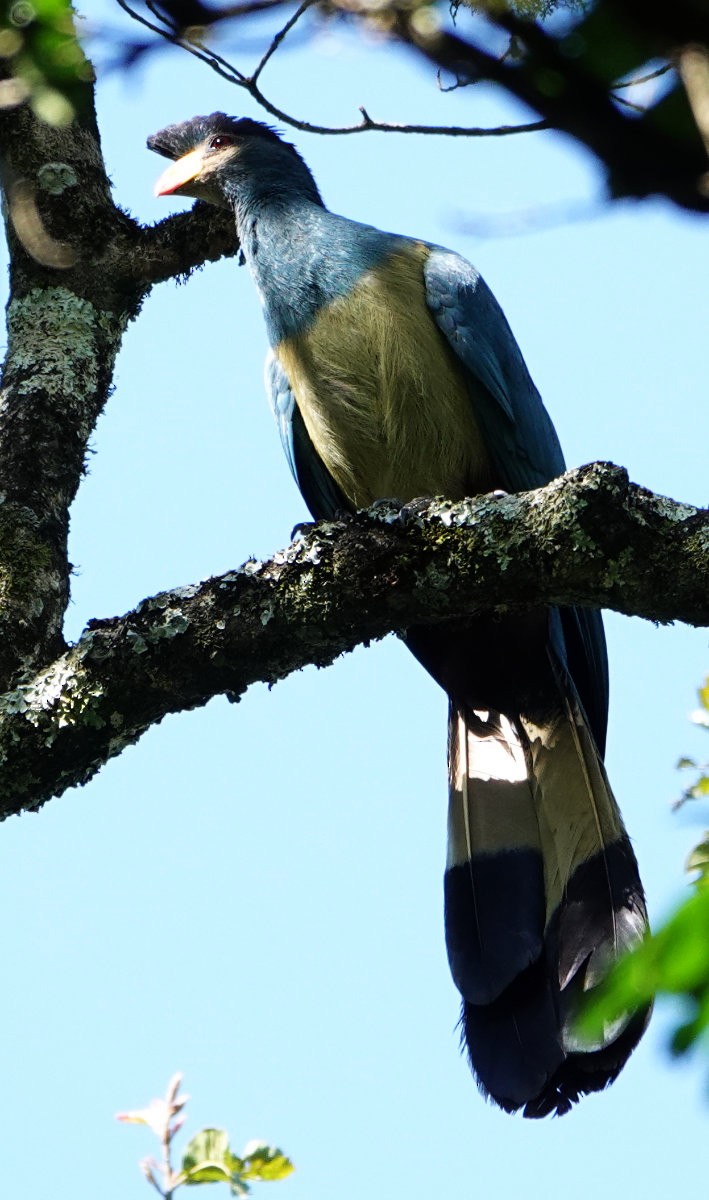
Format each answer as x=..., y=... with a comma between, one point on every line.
x=393, y=373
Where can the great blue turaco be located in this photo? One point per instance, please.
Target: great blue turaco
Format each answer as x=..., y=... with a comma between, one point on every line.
x=394, y=373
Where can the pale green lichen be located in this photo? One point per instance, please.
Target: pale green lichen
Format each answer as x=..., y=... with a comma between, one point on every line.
x=188, y=592
x=433, y=577
x=56, y=177
x=173, y=624
x=57, y=341
x=136, y=641
x=312, y=555
x=62, y=695
x=617, y=569
x=670, y=510
x=583, y=544
x=27, y=569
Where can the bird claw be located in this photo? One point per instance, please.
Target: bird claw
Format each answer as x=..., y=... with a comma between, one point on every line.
x=415, y=507
x=340, y=516
x=301, y=529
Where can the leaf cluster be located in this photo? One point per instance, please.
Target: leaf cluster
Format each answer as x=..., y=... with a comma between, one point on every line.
x=41, y=59
x=209, y=1159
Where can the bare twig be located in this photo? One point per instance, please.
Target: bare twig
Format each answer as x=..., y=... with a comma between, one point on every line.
x=638, y=79
x=248, y=8
x=275, y=43
x=232, y=74
x=638, y=108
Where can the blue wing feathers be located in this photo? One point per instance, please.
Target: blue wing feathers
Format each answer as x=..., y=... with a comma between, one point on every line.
x=316, y=485
x=282, y=401
x=519, y=434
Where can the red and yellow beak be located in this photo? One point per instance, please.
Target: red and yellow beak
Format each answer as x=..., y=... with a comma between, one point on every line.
x=180, y=173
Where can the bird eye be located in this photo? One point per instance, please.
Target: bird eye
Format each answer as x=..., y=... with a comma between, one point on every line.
x=219, y=142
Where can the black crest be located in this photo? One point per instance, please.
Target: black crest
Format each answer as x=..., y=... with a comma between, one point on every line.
x=176, y=140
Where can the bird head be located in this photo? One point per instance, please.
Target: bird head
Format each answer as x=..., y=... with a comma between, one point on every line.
x=213, y=156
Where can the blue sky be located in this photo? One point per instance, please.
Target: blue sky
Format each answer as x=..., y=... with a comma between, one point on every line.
x=253, y=894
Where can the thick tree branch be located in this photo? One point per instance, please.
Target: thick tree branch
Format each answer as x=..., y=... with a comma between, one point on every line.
x=80, y=269
x=66, y=315
x=176, y=246
x=589, y=537
x=642, y=157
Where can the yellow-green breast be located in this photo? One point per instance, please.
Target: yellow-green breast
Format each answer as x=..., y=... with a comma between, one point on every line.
x=384, y=399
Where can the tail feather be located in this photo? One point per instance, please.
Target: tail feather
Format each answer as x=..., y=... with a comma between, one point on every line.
x=542, y=894
x=494, y=891
x=513, y=1045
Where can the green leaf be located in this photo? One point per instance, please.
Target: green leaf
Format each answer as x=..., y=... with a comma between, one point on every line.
x=675, y=961
x=206, y=1158
x=42, y=54
x=206, y=1172
x=265, y=1163
x=699, y=861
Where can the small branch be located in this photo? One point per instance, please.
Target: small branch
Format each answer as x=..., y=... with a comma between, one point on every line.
x=231, y=74
x=249, y=8
x=589, y=537
x=647, y=78
x=180, y=243
x=282, y=33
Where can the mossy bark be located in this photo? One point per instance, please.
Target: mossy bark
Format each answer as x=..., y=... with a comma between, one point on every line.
x=589, y=537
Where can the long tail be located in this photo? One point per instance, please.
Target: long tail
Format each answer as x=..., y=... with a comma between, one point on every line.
x=542, y=892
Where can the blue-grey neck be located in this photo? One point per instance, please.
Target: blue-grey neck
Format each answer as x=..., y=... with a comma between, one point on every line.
x=300, y=255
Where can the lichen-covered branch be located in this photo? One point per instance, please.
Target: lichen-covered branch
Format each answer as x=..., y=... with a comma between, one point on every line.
x=80, y=269
x=589, y=537
x=66, y=315
x=180, y=243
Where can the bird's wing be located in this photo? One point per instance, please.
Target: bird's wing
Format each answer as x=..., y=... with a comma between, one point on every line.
x=519, y=437
x=317, y=487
